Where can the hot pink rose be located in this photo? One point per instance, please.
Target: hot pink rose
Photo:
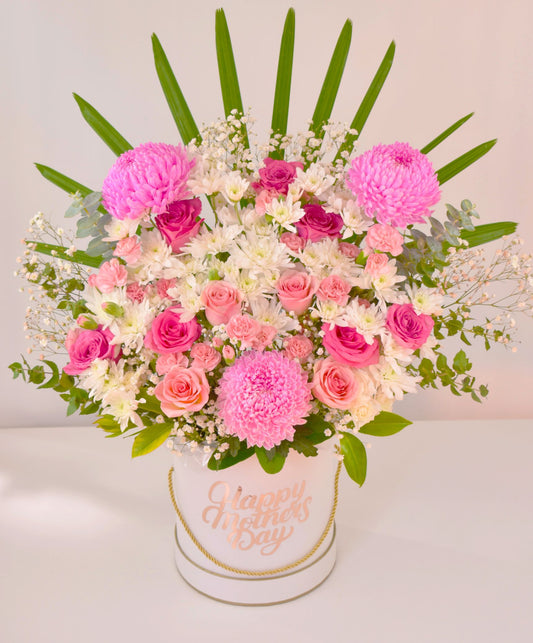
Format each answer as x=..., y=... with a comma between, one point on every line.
x=276, y=176
x=384, y=238
x=183, y=390
x=84, y=346
x=318, y=224
x=128, y=249
x=205, y=356
x=244, y=329
x=110, y=275
x=180, y=222
x=296, y=289
x=333, y=288
x=264, y=338
x=168, y=360
x=349, y=249
x=292, y=241
x=298, y=347
x=168, y=334
x=349, y=347
x=221, y=301
x=135, y=292
x=334, y=385
x=408, y=328
x=376, y=264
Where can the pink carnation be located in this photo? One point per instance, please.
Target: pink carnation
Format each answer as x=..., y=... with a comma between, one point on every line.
x=376, y=264
x=298, y=347
x=292, y=241
x=128, y=249
x=334, y=288
x=394, y=183
x=148, y=178
x=164, y=285
x=264, y=337
x=349, y=249
x=262, y=397
x=384, y=238
x=110, y=275
x=205, y=356
x=167, y=361
x=244, y=329
x=135, y=292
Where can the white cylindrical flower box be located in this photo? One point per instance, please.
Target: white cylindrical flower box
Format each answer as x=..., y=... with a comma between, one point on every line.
x=248, y=537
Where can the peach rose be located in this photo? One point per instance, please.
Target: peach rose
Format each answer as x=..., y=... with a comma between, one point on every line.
x=182, y=391
x=334, y=385
x=298, y=347
x=333, y=288
x=296, y=289
x=205, y=356
x=221, y=301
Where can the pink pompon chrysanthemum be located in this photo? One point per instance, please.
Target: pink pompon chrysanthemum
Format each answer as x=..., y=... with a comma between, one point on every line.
x=394, y=183
x=148, y=178
x=262, y=397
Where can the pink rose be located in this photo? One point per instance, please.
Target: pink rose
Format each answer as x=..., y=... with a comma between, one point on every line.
x=292, y=241
x=128, y=249
x=408, y=328
x=298, y=347
x=221, y=301
x=334, y=385
x=296, y=289
x=335, y=289
x=349, y=249
x=84, y=346
x=183, y=390
x=180, y=222
x=376, y=264
x=276, y=176
x=168, y=360
x=349, y=347
x=384, y=238
x=264, y=337
x=135, y=292
x=244, y=329
x=110, y=275
x=205, y=356
x=170, y=335
x=318, y=224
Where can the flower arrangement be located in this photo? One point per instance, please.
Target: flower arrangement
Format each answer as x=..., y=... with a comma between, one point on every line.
x=243, y=299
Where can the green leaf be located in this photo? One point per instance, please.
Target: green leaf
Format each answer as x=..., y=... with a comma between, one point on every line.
x=354, y=459
x=385, y=424
x=304, y=446
x=331, y=83
x=54, y=379
x=149, y=439
x=488, y=232
x=460, y=363
x=228, y=460
x=60, y=251
x=313, y=429
x=151, y=404
x=272, y=461
x=462, y=162
x=441, y=137
x=280, y=111
x=229, y=82
x=108, y=424
x=115, y=141
x=17, y=369
x=369, y=100
x=175, y=99
x=62, y=181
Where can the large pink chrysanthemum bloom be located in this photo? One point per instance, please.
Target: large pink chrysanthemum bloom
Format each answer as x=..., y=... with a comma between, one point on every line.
x=149, y=177
x=394, y=183
x=262, y=397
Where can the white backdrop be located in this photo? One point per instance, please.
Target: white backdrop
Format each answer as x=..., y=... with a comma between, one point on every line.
x=452, y=58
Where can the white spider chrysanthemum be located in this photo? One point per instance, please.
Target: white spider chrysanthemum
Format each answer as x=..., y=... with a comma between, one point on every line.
x=392, y=379
x=395, y=351
x=329, y=311
x=427, y=301
x=219, y=239
x=324, y=258
x=122, y=406
x=384, y=284
x=131, y=328
x=234, y=187
x=315, y=180
x=271, y=312
x=156, y=257
x=355, y=220
x=284, y=212
x=95, y=299
x=94, y=378
x=369, y=321
x=118, y=229
x=260, y=254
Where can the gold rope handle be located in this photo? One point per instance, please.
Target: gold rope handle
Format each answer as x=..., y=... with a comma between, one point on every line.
x=246, y=572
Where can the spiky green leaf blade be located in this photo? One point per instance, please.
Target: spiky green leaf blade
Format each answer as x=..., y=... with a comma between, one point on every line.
x=354, y=459
x=462, y=162
x=369, y=99
x=385, y=424
x=488, y=232
x=441, y=137
x=115, y=141
x=330, y=86
x=61, y=253
x=176, y=101
x=62, y=181
x=229, y=81
x=280, y=111
x=149, y=439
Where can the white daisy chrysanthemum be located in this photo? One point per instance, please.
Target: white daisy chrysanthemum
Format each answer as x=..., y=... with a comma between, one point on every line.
x=369, y=321
x=328, y=311
x=392, y=380
x=122, y=406
x=219, y=239
x=131, y=328
x=94, y=299
x=427, y=301
x=285, y=213
x=260, y=254
x=365, y=410
x=155, y=258
x=323, y=258
x=234, y=187
x=315, y=180
x=118, y=229
x=271, y=312
x=394, y=350
x=355, y=220
x=384, y=284
x=94, y=378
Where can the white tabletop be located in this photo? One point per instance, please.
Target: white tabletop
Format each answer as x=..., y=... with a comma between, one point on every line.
x=436, y=547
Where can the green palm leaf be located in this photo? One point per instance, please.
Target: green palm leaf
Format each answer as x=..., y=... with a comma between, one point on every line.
x=441, y=137
x=488, y=232
x=62, y=181
x=115, y=141
x=369, y=100
x=330, y=87
x=280, y=112
x=61, y=253
x=462, y=162
x=175, y=99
